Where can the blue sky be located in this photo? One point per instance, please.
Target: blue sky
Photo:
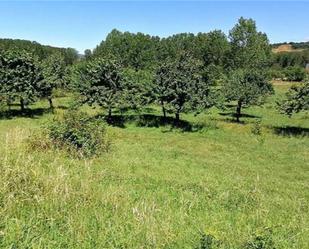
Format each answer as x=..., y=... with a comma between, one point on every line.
x=83, y=24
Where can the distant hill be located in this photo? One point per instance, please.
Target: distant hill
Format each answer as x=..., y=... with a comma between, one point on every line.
x=290, y=47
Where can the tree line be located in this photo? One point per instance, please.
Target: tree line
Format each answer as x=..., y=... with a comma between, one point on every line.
x=181, y=73
x=70, y=55
x=290, y=66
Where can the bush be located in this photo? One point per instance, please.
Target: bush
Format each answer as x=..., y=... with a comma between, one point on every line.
x=276, y=73
x=79, y=133
x=256, y=129
x=262, y=240
x=295, y=73
x=208, y=241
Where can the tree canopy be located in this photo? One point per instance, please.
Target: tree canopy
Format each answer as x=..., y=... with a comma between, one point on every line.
x=99, y=82
x=249, y=59
x=20, y=77
x=297, y=99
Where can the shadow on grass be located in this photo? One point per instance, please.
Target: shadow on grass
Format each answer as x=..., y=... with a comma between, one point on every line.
x=151, y=120
x=233, y=115
x=29, y=113
x=62, y=107
x=291, y=131
x=233, y=121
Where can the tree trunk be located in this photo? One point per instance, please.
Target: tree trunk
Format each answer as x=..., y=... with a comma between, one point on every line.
x=109, y=113
x=177, y=116
x=51, y=106
x=22, y=104
x=9, y=105
x=238, y=110
x=163, y=109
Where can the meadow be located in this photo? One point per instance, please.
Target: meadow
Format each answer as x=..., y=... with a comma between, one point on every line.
x=220, y=185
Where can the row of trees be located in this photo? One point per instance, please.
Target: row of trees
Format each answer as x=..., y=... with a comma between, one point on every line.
x=29, y=70
x=291, y=59
x=24, y=78
x=42, y=52
x=181, y=73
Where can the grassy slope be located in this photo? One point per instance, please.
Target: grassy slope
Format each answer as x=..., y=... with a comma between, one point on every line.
x=159, y=188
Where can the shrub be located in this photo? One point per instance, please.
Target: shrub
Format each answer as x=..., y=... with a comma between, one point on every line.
x=79, y=134
x=263, y=240
x=208, y=241
x=276, y=73
x=256, y=129
x=295, y=73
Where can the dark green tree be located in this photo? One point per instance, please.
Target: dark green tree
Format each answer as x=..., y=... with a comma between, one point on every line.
x=249, y=48
x=246, y=88
x=212, y=48
x=87, y=54
x=20, y=77
x=53, y=69
x=137, y=51
x=38, y=50
x=297, y=99
x=178, y=85
x=70, y=55
x=136, y=88
x=99, y=82
x=249, y=60
x=295, y=73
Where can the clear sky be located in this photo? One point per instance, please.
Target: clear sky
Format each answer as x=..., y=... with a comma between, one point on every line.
x=83, y=24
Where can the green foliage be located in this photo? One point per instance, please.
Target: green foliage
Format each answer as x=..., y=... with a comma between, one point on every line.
x=276, y=73
x=206, y=242
x=249, y=48
x=291, y=59
x=54, y=73
x=172, y=46
x=137, y=89
x=36, y=49
x=246, y=88
x=256, y=129
x=80, y=134
x=262, y=240
x=20, y=77
x=137, y=51
x=249, y=57
x=178, y=85
x=70, y=55
x=297, y=99
x=212, y=48
x=87, y=54
x=99, y=82
x=295, y=73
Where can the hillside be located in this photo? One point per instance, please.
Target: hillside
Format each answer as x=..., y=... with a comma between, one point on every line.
x=290, y=47
x=285, y=48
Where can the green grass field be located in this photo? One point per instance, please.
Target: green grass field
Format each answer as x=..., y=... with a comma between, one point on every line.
x=160, y=187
